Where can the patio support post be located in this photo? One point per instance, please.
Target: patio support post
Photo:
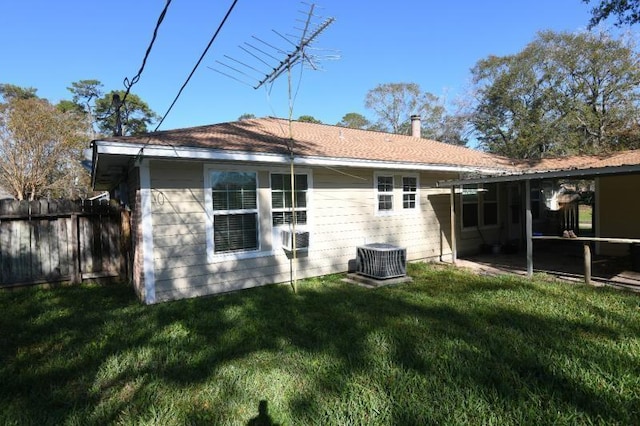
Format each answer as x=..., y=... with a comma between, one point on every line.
x=587, y=263
x=454, y=248
x=529, y=227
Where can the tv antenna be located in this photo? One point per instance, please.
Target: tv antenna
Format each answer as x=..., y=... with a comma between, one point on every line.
x=266, y=61
x=267, y=55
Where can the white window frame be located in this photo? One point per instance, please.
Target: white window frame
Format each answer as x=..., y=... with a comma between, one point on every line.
x=288, y=209
x=379, y=193
x=276, y=229
x=397, y=193
x=212, y=256
x=416, y=193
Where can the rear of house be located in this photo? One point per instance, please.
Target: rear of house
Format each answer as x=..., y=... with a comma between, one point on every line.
x=210, y=204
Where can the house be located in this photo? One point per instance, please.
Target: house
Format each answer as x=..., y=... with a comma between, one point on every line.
x=210, y=204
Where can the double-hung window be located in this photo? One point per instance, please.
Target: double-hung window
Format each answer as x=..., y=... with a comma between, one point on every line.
x=479, y=205
x=385, y=193
x=283, y=197
x=235, y=211
x=409, y=192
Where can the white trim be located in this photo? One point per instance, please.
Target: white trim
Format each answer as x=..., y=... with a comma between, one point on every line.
x=190, y=153
x=416, y=208
x=276, y=242
x=147, y=234
x=377, y=194
x=212, y=256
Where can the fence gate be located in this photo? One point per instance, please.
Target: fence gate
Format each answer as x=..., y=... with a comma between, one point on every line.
x=60, y=240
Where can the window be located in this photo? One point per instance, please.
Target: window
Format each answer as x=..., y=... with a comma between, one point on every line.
x=235, y=211
x=479, y=205
x=409, y=192
x=469, y=206
x=281, y=198
x=385, y=193
x=489, y=197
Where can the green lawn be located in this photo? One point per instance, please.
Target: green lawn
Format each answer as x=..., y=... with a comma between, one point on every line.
x=448, y=348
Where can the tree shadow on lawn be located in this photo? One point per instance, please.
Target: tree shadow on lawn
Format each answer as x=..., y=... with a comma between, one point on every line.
x=92, y=354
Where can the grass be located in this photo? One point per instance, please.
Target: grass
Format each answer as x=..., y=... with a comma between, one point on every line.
x=449, y=348
x=585, y=216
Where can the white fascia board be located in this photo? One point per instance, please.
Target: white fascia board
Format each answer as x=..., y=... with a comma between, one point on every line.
x=191, y=153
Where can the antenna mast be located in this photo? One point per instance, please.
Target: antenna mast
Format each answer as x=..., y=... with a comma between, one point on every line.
x=265, y=55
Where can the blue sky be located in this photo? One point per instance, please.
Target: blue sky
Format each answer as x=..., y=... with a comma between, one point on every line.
x=49, y=44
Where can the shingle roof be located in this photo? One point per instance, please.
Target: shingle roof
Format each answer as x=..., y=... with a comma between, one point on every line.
x=270, y=135
x=615, y=159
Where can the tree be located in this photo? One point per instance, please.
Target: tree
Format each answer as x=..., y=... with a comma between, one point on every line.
x=354, y=120
x=40, y=148
x=89, y=98
x=563, y=94
x=395, y=103
x=627, y=12
x=135, y=114
x=246, y=116
x=85, y=93
x=309, y=119
x=10, y=92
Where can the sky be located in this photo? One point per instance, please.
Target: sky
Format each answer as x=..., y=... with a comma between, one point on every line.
x=50, y=44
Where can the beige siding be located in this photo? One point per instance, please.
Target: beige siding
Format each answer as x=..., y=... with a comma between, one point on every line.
x=342, y=215
x=618, y=211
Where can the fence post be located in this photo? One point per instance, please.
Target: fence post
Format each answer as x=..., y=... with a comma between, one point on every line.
x=76, y=278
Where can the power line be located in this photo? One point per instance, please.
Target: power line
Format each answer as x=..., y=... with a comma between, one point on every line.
x=136, y=78
x=129, y=83
x=198, y=63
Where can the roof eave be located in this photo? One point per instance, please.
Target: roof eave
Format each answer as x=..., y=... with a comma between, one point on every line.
x=207, y=154
x=544, y=174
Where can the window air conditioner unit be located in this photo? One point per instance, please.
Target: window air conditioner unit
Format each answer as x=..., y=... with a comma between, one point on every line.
x=301, y=240
x=381, y=261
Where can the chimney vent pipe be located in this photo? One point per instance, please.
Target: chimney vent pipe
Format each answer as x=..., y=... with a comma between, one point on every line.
x=416, y=126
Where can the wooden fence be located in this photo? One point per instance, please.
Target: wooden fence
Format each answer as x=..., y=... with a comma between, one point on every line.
x=60, y=240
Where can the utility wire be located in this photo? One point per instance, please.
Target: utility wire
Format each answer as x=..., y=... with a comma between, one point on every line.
x=119, y=103
x=128, y=83
x=197, y=63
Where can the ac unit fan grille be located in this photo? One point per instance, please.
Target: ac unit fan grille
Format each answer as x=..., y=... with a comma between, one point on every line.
x=381, y=261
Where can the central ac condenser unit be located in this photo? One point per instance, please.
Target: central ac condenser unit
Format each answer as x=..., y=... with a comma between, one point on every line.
x=381, y=261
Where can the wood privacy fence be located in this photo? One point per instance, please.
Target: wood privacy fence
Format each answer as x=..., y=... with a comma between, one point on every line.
x=49, y=241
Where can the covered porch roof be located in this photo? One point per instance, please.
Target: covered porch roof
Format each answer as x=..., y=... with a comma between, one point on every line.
x=580, y=167
x=624, y=162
